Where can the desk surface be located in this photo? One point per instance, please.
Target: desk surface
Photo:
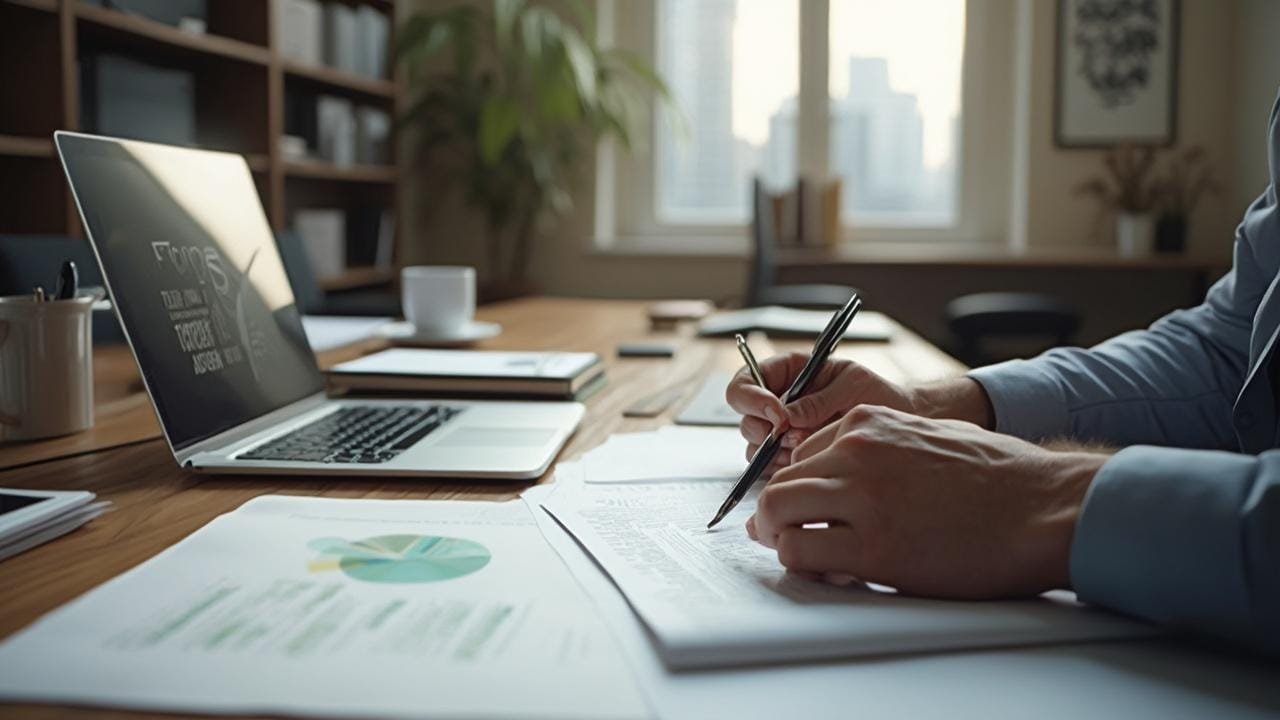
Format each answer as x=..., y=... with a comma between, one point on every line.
x=124, y=458
x=156, y=504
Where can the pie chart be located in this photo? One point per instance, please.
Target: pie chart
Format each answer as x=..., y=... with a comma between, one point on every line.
x=399, y=558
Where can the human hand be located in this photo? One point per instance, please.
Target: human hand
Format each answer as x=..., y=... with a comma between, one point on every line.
x=839, y=385
x=938, y=508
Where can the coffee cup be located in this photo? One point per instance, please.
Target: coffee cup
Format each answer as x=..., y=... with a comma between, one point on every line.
x=439, y=300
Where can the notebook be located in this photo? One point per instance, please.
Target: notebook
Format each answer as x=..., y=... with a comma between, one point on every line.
x=779, y=321
x=470, y=373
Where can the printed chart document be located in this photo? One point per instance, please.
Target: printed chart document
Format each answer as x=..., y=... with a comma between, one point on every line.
x=717, y=598
x=362, y=608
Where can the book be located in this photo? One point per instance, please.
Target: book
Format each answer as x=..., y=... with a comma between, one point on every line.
x=866, y=326
x=374, y=30
x=324, y=237
x=550, y=375
x=373, y=135
x=342, y=37
x=336, y=130
x=300, y=31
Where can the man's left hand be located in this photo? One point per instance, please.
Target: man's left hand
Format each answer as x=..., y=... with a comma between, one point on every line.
x=938, y=508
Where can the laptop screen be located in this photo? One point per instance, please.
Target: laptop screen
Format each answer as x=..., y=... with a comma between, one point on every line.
x=196, y=279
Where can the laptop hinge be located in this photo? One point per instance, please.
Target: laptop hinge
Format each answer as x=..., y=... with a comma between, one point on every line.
x=234, y=435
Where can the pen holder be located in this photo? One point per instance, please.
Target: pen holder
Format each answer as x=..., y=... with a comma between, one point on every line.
x=46, y=366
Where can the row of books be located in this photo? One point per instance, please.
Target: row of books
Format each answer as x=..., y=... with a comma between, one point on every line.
x=334, y=129
x=351, y=39
x=336, y=240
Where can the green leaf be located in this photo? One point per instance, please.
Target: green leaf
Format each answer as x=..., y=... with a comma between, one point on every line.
x=505, y=13
x=583, y=63
x=498, y=122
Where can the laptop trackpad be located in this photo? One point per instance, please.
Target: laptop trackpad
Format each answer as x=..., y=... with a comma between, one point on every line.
x=497, y=437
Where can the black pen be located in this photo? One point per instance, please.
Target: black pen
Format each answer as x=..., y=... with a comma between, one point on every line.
x=68, y=282
x=822, y=348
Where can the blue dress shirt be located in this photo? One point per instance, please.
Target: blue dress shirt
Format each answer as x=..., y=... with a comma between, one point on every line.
x=1181, y=527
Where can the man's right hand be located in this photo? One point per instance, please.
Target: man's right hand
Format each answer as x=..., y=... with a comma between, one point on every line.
x=838, y=387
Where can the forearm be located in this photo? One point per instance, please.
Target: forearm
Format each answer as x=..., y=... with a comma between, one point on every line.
x=959, y=398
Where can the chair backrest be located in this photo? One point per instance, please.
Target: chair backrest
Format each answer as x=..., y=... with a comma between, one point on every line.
x=30, y=260
x=979, y=317
x=307, y=293
x=763, y=271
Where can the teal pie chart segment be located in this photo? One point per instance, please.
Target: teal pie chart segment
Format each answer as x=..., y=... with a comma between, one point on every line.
x=400, y=558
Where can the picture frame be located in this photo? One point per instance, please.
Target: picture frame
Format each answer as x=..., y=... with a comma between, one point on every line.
x=1117, y=73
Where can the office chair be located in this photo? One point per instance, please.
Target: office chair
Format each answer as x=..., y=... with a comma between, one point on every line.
x=761, y=283
x=30, y=260
x=976, y=319
x=313, y=300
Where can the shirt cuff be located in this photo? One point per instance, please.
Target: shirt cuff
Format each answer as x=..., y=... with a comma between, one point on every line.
x=1159, y=537
x=1027, y=401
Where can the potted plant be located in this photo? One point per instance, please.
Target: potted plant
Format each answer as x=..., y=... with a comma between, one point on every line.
x=1188, y=179
x=1128, y=190
x=510, y=97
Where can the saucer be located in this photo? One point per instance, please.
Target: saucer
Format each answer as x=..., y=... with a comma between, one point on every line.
x=404, y=333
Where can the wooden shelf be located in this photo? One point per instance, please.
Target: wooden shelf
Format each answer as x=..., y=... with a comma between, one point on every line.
x=360, y=277
x=44, y=5
x=14, y=145
x=352, y=173
x=158, y=32
x=339, y=80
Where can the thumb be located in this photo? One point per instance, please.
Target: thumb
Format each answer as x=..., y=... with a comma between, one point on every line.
x=814, y=409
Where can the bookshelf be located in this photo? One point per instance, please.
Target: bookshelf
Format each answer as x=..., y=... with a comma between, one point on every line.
x=242, y=88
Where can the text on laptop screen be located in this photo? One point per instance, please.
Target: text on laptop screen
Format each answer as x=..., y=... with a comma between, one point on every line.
x=197, y=280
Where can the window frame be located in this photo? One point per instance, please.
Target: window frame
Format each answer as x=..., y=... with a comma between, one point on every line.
x=626, y=217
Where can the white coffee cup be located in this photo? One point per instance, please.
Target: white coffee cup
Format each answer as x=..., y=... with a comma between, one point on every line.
x=46, y=366
x=438, y=299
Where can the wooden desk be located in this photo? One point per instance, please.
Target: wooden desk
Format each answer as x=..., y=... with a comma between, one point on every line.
x=156, y=503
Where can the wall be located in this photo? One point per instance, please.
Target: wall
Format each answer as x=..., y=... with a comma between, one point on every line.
x=1227, y=61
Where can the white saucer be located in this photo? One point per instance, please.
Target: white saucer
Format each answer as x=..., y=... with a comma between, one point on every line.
x=404, y=333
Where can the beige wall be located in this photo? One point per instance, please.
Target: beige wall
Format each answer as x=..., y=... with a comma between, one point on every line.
x=1228, y=74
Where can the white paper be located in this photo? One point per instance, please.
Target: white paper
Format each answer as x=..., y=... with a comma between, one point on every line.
x=470, y=363
x=338, y=608
x=326, y=332
x=716, y=598
x=1155, y=679
x=691, y=452
x=866, y=325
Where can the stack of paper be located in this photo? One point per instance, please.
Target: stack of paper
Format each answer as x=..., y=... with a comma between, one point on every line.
x=640, y=504
x=29, y=518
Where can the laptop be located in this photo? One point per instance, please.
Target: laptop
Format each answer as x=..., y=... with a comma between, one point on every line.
x=193, y=271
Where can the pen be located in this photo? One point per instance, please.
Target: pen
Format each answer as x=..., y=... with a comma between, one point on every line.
x=68, y=281
x=37, y=294
x=822, y=348
x=752, y=366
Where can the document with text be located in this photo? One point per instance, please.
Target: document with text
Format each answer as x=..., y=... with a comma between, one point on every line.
x=311, y=606
x=717, y=598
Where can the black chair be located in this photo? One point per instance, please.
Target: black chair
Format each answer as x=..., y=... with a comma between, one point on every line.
x=761, y=283
x=30, y=260
x=313, y=300
x=976, y=320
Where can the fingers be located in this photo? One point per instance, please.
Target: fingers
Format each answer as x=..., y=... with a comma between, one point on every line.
x=815, y=443
x=831, y=462
x=807, y=500
x=751, y=400
x=756, y=430
x=833, y=552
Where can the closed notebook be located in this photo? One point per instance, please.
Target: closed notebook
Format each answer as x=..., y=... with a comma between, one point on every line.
x=867, y=326
x=469, y=372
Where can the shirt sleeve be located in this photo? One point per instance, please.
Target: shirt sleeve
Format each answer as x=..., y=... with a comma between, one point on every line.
x=1185, y=538
x=1171, y=384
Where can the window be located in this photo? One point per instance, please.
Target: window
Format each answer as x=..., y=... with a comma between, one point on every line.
x=757, y=81
x=894, y=88
x=732, y=99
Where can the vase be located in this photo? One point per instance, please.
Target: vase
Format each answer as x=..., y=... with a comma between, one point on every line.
x=1171, y=233
x=1135, y=234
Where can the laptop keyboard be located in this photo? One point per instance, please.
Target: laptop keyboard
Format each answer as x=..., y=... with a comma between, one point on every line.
x=356, y=434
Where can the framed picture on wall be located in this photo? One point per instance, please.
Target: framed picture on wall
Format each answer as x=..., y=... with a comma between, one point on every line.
x=1117, y=69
